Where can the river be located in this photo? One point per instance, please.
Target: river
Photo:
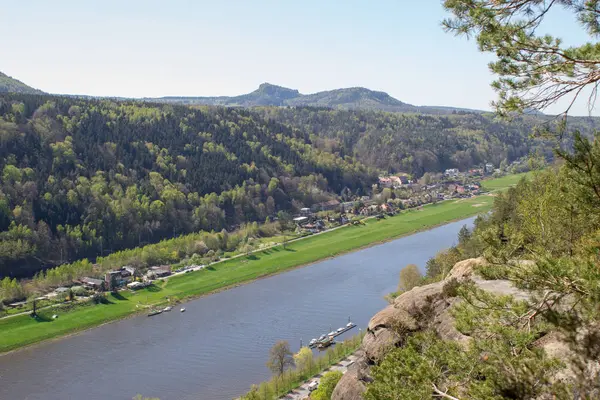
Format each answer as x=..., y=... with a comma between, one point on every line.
x=219, y=346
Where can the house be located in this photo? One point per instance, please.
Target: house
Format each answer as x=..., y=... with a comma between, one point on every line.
x=120, y=276
x=399, y=180
x=128, y=269
x=451, y=172
x=158, y=271
x=489, y=168
x=460, y=189
x=91, y=283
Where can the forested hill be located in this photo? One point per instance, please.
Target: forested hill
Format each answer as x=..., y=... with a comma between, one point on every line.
x=347, y=99
x=417, y=143
x=11, y=85
x=84, y=176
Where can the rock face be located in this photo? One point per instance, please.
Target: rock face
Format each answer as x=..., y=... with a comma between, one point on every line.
x=424, y=307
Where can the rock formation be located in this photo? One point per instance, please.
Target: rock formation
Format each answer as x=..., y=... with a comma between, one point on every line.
x=424, y=307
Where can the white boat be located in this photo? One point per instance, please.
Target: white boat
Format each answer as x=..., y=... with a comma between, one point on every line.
x=322, y=337
x=313, y=341
x=332, y=333
x=339, y=330
x=182, y=309
x=349, y=324
x=168, y=308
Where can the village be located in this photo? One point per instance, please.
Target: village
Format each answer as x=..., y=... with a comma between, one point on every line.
x=392, y=194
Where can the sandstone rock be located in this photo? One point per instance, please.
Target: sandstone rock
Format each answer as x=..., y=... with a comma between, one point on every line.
x=392, y=315
x=501, y=287
x=350, y=387
x=377, y=344
x=428, y=307
x=419, y=298
x=463, y=270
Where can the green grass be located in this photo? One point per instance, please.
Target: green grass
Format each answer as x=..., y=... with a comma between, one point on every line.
x=23, y=330
x=504, y=182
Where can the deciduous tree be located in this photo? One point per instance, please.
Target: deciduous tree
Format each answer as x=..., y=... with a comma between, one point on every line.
x=280, y=357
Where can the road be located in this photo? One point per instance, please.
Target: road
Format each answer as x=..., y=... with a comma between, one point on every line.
x=302, y=392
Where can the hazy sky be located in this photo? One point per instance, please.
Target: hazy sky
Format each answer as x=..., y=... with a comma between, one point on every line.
x=138, y=48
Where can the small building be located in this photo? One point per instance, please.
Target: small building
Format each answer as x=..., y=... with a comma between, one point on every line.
x=451, y=172
x=137, y=285
x=91, y=283
x=158, y=271
x=489, y=168
x=305, y=211
x=398, y=181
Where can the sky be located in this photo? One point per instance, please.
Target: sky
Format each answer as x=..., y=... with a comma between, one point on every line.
x=135, y=48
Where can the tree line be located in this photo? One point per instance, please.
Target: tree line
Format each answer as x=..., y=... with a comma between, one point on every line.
x=417, y=143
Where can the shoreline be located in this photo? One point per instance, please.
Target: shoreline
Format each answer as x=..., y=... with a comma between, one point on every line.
x=190, y=298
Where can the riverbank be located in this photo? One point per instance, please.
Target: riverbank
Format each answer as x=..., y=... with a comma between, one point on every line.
x=24, y=330
x=293, y=384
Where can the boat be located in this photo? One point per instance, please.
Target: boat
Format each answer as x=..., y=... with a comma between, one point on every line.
x=182, y=309
x=349, y=325
x=313, y=341
x=332, y=333
x=168, y=308
x=322, y=337
x=339, y=330
x=325, y=343
x=155, y=312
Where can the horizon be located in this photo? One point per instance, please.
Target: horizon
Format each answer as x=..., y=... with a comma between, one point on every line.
x=211, y=50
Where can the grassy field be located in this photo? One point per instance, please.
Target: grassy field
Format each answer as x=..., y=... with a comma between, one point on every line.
x=23, y=330
x=504, y=182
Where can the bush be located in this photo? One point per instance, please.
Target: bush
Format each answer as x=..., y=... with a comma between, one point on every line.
x=326, y=386
x=99, y=298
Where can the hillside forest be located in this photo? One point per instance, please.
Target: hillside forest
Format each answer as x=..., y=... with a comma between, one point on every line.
x=82, y=178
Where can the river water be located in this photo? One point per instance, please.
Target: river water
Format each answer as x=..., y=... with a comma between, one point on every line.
x=219, y=346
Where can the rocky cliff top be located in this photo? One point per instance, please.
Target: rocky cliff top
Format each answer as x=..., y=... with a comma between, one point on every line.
x=428, y=308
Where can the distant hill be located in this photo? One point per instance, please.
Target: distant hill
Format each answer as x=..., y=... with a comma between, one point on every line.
x=346, y=99
x=12, y=85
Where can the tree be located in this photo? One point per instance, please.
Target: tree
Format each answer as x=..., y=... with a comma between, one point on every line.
x=304, y=359
x=534, y=70
x=464, y=235
x=280, y=357
x=326, y=385
x=409, y=278
x=253, y=394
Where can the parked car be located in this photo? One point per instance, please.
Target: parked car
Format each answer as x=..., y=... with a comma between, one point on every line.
x=313, y=386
